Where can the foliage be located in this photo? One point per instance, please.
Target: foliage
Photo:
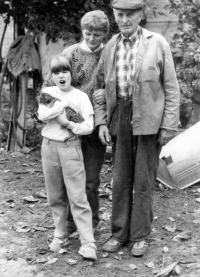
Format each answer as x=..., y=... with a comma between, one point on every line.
x=55, y=18
x=186, y=52
x=59, y=18
x=151, y=9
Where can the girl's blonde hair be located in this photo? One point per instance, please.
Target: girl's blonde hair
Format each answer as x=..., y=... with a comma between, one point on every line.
x=59, y=63
x=95, y=21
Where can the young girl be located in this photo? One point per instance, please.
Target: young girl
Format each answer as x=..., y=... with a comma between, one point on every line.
x=84, y=57
x=62, y=158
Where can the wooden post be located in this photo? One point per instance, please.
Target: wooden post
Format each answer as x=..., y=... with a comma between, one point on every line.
x=10, y=141
x=11, y=135
x=21, y=134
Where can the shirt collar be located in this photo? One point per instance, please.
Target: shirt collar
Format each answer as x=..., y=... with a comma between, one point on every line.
x=84, y=46
x=133, y=37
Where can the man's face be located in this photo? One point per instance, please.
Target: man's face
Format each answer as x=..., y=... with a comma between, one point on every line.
x=127, y=20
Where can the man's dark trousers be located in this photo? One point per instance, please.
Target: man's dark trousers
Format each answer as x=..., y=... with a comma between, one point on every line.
x=134, y=176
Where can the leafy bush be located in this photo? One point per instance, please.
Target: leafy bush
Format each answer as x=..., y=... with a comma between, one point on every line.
x=186, y=52
x=54, y=18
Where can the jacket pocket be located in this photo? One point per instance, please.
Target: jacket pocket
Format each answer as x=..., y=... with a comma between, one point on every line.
x=148, y=76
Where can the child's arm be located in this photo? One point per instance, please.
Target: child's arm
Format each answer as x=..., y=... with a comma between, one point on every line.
x=62, y=119
x=49, y=112
x=50, y=107
x=86, y=111
x=84, y=128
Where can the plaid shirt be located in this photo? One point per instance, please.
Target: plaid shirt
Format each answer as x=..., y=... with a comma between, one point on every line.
x=125, y=63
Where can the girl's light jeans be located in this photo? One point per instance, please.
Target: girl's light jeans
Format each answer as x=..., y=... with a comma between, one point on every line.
x=66, y=184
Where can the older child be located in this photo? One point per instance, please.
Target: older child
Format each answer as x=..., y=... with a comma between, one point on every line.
x=62, y=158
x=84, y=58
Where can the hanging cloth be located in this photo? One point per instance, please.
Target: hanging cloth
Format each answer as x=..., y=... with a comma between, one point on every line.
x=23, y=56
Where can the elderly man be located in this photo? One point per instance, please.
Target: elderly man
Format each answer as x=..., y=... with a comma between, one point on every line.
x=140, y=115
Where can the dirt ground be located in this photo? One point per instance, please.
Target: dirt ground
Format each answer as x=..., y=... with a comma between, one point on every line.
x=26, y=228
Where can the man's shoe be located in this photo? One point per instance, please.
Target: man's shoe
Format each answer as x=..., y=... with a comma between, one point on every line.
x=57, y=244
x=112, y=245
x=140, y=248
x=88, y=251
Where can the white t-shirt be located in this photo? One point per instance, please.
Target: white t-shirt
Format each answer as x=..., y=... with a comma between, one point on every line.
x=75, y=99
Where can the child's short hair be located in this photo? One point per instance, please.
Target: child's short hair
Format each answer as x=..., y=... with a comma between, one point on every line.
x=95, y=20
x=59, y=63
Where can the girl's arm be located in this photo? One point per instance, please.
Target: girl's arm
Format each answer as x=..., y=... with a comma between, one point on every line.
x=84, y=128
x=54, y=108
x=49, y=112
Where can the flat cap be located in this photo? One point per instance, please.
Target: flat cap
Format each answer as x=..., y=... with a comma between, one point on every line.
x=128, y=4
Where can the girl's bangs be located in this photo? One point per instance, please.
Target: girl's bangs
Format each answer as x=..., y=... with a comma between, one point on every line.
x=59, y=65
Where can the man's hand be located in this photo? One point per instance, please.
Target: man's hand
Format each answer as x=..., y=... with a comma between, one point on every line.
x=99, y=96
x=104, y=135
x=165, y=136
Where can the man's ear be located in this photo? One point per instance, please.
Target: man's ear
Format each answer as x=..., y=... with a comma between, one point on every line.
x=113, y=12
x=105, y=35
x=141, y=15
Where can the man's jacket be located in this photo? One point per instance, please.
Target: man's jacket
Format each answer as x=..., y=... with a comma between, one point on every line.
x=156, y=91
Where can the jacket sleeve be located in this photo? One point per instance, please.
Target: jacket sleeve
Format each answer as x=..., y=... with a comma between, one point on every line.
x=170, y=118
x=100, y=110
